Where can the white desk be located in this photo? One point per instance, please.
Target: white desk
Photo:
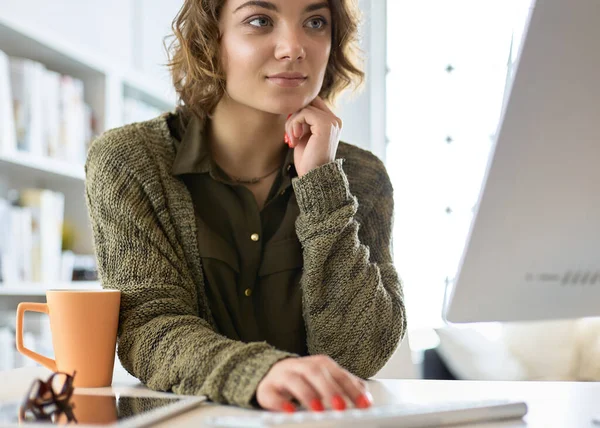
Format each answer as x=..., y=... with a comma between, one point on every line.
x=551, y=404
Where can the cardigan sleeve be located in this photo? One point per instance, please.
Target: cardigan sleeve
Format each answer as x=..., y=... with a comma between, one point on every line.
x=162, y=339
x=352, y=296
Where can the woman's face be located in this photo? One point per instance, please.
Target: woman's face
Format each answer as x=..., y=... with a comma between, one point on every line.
x=261, y=39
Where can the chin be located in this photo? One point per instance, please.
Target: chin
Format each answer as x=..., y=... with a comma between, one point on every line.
x=277, y=103
x=282, y=106
x=286, y=104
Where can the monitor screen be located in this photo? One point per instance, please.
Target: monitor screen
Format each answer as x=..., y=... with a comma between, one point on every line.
x=533, y=250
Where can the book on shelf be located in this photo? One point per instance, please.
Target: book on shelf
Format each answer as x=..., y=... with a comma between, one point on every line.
x=43, y=112
x=31, y=237
x=31, y=242
x=15, y=243
x=26, y=78
x=47, y=211
x=72, y=145
x=52, y=117
x=8, y=136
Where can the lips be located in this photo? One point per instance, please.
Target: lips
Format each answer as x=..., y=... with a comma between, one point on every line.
x=287, y=80
x=288, y=75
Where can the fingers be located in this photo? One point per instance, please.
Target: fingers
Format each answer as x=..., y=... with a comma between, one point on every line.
x=304, y=391
x=354, y=388
x=298, y=129
x=320, y=104
x=301, y=125
x=295, y=387
x=305, y=130
x=331, y=392
x=348, y=386
x=315, y=382
x=272, y=398
x=334, y=385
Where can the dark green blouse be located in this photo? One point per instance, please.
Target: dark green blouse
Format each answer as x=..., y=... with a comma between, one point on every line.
x=252, y=259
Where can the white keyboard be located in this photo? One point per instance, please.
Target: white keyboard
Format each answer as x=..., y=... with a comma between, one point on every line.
x=405, y=415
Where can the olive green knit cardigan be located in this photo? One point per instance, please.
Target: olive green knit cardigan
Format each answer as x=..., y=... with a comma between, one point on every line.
x=143, y=224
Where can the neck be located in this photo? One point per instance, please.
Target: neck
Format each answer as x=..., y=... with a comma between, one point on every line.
x=246, y=142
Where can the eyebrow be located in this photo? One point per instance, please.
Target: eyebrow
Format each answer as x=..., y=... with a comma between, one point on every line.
x=271, y=6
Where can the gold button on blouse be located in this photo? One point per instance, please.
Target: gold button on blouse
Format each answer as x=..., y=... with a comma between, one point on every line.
x=254, y=237
x=248, y=292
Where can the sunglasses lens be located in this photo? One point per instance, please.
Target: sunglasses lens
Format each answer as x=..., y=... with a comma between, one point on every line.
x=34, y=390
x=46, y=400
x=61, y=385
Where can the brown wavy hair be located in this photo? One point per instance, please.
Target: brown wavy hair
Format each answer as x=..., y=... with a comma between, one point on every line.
x=194, y=54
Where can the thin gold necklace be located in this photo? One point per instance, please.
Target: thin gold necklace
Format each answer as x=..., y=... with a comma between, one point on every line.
x=255, y=179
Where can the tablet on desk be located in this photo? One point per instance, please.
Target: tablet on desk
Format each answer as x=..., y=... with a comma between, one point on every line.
x=116, y=410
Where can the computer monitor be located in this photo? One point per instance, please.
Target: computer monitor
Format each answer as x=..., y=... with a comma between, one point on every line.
x=533, y=250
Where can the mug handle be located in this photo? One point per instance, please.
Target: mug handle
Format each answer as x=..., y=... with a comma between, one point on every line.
x=33, y=307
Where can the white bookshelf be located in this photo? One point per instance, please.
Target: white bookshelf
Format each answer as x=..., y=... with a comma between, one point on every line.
x=39, y=290
x=107, y=83
x=41, y=167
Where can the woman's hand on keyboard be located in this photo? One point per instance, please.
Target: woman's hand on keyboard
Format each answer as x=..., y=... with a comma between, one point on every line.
x=315, y=381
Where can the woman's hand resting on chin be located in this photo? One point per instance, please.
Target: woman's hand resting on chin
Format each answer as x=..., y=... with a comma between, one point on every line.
x=314, y=133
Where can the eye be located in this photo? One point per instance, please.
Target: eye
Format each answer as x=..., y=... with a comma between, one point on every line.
x=261, y=20
x=320, y=23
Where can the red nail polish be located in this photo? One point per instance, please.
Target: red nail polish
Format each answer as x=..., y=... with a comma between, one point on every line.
x=316, y=405
x=289, y=115
x=338, y=403
x=289, y=407
x=363, y=402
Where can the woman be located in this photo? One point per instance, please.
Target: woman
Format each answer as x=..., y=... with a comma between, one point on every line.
x=254, y=272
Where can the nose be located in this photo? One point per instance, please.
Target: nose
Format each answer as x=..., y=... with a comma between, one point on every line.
x=290, y=45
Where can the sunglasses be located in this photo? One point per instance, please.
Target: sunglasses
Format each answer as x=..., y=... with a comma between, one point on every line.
x=48, y=400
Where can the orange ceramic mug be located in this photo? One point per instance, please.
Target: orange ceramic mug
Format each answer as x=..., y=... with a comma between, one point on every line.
x=84, y=325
